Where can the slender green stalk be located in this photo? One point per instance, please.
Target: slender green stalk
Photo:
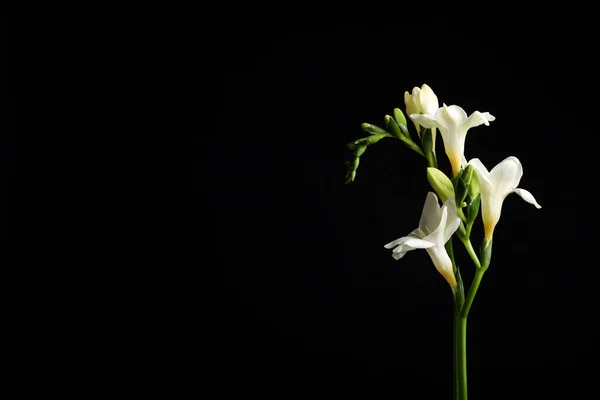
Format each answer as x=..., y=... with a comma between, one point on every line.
x=459, y=299
x=472, y=292
x=461, y=353
x=431, y=160
x=456, y=366
x=472, y=252
x=460, y=335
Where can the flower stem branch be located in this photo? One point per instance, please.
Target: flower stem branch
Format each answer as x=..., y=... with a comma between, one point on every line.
x=471, y=251
x=460, y=337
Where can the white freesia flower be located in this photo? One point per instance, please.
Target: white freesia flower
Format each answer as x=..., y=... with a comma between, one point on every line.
x=495, y=185
x=436, y=226
x=453, y=124
x=422, y=101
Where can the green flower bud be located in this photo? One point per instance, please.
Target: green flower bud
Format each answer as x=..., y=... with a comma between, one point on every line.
x=352, y=167
x=367, y=140
x=393, y=127
x=467, y=174
x=372, y=129
x=399, y=116
x=440, y=183
x=401, y=121
x=360, y=150
x=474, y=185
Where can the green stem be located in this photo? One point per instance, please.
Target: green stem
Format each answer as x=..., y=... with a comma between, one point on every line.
x=456, y=347
x=472, y=292
x=460, y=328
x=459, y=299
x=461, y=356
x=431, y=160
x=472, y=252
x=455, y=385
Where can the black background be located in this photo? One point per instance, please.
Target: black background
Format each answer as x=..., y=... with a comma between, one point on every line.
x=311, y=297
x=5, y=135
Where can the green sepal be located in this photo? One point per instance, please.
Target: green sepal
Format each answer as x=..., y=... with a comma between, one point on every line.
x=460, y=188
x=427, y=142
x=473, y=210
x=461, y=232
x=485, y=256
x=352, y=167
x=459, y=293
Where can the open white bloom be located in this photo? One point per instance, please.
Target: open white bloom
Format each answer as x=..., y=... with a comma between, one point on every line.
x=453, y=124
x=422, y=101
x=436, y=226
x=495, y=185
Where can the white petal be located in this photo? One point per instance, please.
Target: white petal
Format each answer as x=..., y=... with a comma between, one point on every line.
x=482, y=173
x=393, y=243
x=437, y=236
x=411, y=106
x=451, y=116
x=477, y=119
x=527, y=196
x=411, y=241
x=430, y=217
x=417, y=233
x=405, y=244
x=417, y=243
x=426, y=120
x=429, y=100
x=505, y=176
x=453, y=221
x=442, y=263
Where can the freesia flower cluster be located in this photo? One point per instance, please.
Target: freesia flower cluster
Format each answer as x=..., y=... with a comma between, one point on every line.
x=453, y=206
x=469, y=186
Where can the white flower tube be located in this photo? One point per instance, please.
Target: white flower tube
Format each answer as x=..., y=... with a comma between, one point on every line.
x=453, y=124
x=495, y=185
x=436, y=226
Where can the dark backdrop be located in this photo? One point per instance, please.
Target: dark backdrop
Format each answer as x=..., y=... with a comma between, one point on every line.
x=5, y=133
x=310, y=294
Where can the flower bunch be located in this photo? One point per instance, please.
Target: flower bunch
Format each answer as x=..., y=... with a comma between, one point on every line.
x=454, y=204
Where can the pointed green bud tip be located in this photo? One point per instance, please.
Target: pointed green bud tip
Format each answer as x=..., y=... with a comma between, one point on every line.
x=399, y=116
x=440, y=183
x=372, y=129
